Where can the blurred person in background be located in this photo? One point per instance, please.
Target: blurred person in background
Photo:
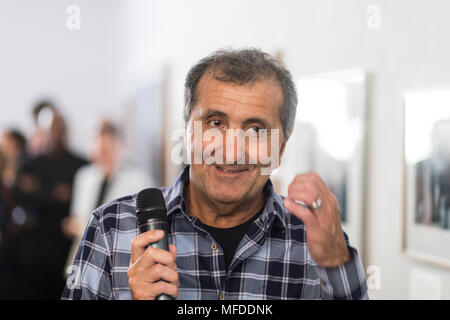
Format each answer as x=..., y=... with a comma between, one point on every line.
x=3, y=201
x=13, y=154
x=106, y=179
x=5, y=207
x=42, y=113
x=13, y=145
x=43, y=193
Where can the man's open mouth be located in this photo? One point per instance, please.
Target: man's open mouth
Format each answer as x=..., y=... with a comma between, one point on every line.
x=231, y=168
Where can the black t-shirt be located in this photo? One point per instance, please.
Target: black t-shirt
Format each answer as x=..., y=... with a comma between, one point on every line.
x=229, y=238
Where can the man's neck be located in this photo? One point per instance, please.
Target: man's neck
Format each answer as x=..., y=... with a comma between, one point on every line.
x=221, y=215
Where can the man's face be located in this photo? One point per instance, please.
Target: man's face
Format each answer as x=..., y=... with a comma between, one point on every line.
x=223, y=106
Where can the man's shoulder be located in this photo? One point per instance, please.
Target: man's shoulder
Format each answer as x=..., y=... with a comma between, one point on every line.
x=118, y=206
x=123, y=210
x=118, y=214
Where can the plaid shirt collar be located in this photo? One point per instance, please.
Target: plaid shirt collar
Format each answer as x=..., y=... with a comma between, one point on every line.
x=273, y=210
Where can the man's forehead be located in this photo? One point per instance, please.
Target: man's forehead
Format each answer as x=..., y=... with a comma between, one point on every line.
x=259, y=96
x=209, y=82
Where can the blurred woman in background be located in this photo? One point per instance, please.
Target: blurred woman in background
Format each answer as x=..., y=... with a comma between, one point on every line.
x=106, y=179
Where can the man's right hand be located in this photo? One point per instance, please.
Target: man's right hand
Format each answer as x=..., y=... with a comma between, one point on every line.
x=152, y=271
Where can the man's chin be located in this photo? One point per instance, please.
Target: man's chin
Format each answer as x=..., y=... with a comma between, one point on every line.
x=225, y=197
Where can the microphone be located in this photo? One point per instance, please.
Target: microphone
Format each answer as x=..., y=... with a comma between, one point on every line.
x=151, y=214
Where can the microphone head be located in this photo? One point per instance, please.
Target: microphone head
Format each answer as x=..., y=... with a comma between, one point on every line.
x=151, y=202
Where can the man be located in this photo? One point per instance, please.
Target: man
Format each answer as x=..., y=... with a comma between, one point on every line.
x=231, y=236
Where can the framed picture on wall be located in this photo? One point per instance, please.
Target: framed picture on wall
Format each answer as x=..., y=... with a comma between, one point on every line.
x=426, y=218
x=329, y=139
x=144, y=120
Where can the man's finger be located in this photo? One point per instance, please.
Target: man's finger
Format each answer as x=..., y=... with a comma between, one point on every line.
x=149, y=291
x=161, y=287
x=307, y=216
x=173, y=251
x=311, y=180
x=302, y=193
x=140, y=243
x=160, y=272
x=155, y=255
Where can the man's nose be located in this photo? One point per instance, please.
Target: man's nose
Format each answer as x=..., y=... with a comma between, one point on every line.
x=234, y=146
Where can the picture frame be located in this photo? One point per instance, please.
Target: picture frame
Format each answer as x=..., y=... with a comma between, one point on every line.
x=145, y=124
x=426, y=192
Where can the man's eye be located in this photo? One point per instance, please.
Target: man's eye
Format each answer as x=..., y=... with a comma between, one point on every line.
x=214, y=123
x=254, y=130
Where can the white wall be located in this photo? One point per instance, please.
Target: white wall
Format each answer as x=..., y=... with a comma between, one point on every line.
x=41, y=57
x=120, y=42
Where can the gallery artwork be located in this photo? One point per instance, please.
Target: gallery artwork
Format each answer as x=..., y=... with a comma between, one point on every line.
x=427, y=175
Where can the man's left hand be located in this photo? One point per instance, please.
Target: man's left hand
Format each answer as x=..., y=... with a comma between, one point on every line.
x=325, y=238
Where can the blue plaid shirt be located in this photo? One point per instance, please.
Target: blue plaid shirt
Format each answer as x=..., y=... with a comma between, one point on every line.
x=272, y=260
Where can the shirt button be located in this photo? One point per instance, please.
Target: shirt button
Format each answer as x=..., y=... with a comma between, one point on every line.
x=213, y=246
x=222, y=296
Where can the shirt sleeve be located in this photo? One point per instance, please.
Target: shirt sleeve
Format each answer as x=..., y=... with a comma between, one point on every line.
x=345, y=282
x=90, y=275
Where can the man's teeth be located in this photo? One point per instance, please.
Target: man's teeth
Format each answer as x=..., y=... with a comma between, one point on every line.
x=231, y=170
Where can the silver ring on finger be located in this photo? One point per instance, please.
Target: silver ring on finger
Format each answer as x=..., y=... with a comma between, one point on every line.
x=317, y=203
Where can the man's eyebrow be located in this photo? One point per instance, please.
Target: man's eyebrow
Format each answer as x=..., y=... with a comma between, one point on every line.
x=256, y=120
x=212, y=112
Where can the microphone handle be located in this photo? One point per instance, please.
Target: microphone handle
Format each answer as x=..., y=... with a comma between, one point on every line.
x=157, y=224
